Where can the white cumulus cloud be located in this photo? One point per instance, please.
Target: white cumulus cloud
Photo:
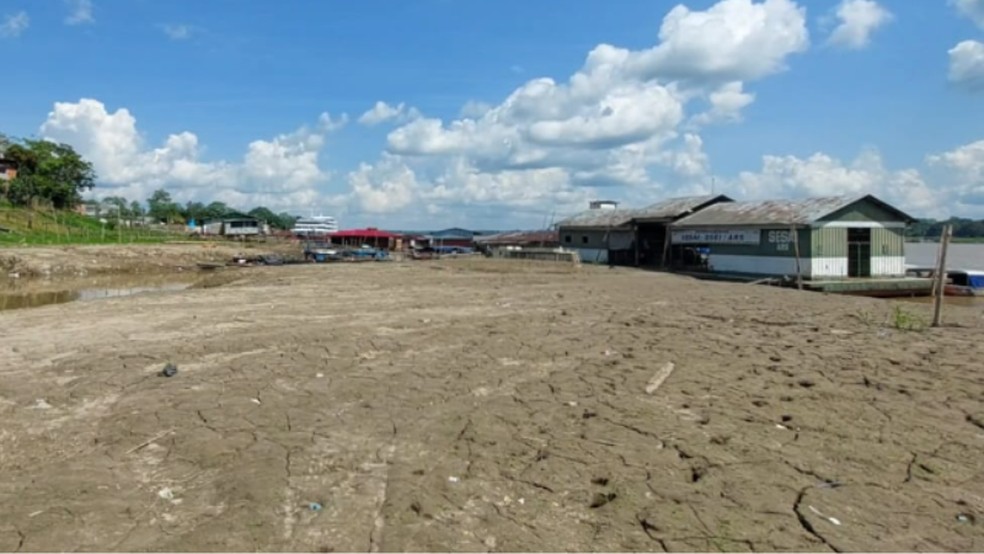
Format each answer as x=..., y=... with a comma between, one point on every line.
x=727, y=102
x=967, y=65
x=972, y=9
x=857, y=21
x=823, y=175
x=964, y=171
x=282, y=172
x=382, y=112
x=732, y=40
x=15, y=24
x=80, y=12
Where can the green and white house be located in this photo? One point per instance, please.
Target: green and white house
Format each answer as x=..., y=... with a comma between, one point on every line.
x=837, y=237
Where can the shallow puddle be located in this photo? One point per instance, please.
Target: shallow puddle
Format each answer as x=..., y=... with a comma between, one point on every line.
x=33, y=294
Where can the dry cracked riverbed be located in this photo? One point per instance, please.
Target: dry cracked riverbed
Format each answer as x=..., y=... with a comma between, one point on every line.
x=488, y=406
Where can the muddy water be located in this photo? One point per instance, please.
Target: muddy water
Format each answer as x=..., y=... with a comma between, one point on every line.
x=959, y=256
x=17, y=294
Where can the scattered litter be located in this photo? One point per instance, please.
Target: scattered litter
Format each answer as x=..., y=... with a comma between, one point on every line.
x=166, y=493
x=657, y=380
x=255, y=400
x=841, y=332
x=453, y=479
x=41, y=404
x=965, y=518
x=610, y=352
x=833, y=520
x=150, y=440
x=35, y=514
x=170, y=370
x=572, y=403
x=830, y=485
x=319, y=375
x=521, y=501
x=781, y=426
x=315, y=507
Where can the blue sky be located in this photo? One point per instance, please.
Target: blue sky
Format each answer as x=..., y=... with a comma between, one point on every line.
x=505, y=113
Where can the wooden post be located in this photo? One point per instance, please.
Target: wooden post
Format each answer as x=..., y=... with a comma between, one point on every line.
x=941, y=276
x=667, y=243
x=796, y=248
x=635, y=241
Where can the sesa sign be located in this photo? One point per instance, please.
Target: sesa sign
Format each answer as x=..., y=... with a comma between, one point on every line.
x=722, y=236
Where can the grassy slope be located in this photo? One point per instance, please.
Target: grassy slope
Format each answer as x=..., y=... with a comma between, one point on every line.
x=28, y=227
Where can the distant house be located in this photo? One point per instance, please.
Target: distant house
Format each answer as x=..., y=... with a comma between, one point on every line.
x=453, y=237
x=233, y=226
x=370, y=236
x=8, y=169
x=518, y=239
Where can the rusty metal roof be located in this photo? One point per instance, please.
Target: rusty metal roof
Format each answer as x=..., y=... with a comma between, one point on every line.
x=600, y=218
x=669, y=209
x=776, y=212
x=673, y=208
x=520, y=237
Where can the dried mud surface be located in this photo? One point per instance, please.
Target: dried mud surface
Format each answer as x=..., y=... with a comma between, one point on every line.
x=115, y=259
x=486, y=406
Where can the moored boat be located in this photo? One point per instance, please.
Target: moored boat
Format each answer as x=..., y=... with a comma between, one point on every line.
x=959, y=282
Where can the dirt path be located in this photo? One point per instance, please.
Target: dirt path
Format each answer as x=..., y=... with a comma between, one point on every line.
x=487, y=406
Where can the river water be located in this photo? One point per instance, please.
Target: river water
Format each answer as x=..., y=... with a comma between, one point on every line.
x=959, y=256
x=29, y=293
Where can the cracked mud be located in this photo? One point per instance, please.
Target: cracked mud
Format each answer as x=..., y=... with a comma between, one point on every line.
x=481, y=406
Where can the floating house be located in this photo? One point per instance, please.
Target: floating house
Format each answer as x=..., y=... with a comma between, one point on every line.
x=818, y=238
x=453, y=237
x=518, y=239
x=370, y=236
x=234, y=225
x=606, y=233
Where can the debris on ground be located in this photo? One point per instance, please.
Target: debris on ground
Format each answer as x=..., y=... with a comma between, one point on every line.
x=170, y=370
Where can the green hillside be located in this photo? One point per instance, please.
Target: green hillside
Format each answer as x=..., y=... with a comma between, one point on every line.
x=25, y=227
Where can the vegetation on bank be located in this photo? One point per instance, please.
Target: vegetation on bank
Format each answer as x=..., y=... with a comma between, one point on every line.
x=964, y=230
x=29, y=227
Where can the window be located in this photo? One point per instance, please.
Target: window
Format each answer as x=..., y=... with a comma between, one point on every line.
x=584, y=239
x=567, y=239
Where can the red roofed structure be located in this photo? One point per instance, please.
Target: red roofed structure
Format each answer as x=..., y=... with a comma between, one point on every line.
x=371, y=236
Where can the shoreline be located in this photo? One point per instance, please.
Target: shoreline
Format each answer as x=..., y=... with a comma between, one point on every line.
x=41, y=262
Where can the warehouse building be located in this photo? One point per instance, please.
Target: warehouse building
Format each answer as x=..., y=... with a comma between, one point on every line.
x=601, y=234
x=607, y=234
x=821, y=238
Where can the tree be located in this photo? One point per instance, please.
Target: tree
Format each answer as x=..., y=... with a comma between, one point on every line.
x=136, y=209
x=194, y=210
x=121, y=206
x=161, y=208
x=48, y=171
x=216, y=210
x=264, y=214
x=287, y=221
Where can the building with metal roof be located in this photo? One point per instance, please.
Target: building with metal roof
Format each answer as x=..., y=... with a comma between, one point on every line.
x=818, y=238
x=607, y=234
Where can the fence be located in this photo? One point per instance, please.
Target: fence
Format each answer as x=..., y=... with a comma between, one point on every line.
x=541, y=254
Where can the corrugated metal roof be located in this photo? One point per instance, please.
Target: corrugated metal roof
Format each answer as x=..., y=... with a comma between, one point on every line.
x=520, y=237
x=672, y=208
x=773, y=212
x=600, y=218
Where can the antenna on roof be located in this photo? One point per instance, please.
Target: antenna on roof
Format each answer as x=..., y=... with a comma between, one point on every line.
x=713, y=180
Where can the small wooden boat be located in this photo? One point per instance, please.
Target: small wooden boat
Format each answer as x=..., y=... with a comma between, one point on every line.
x=958, y=282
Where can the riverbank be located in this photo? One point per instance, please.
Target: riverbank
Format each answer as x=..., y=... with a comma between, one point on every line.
x=78, y=261
x=488, y=405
